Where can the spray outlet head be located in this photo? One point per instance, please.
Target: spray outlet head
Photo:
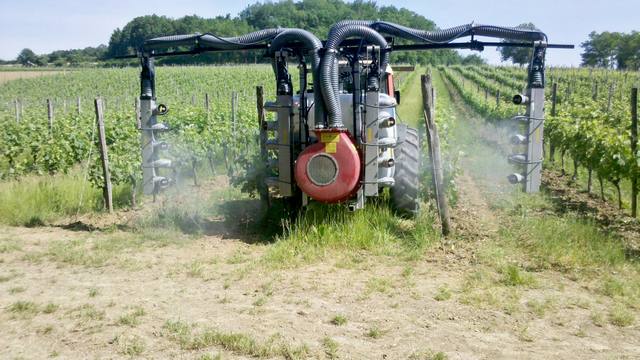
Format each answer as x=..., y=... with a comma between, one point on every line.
x=515, y=178
x=161, y=109
x=520, y=99
x=518, y=139
x=387, y=122
x=161, y=182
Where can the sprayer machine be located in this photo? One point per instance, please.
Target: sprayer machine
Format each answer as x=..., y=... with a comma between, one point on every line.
x=336, y=136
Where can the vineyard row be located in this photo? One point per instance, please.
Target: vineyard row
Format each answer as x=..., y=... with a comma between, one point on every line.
x=598, y=131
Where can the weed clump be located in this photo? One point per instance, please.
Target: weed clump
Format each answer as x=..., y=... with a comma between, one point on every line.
x=330, y=229
x=241, y=344
x=339, y=320
x=621, y=316
x=443, y=293
x=512, y=275
x=23, y=308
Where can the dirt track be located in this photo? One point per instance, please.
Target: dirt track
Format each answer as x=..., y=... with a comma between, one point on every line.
x=389, y=306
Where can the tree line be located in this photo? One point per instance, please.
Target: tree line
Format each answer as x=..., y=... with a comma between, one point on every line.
x=316, y=16
x=612, y=50
x=73, y=57
x=606, y=49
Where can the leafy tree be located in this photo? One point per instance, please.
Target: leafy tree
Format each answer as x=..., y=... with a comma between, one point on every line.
x=77, y=56
x=27, y=57
x=517, y=55
x=316, y=16
x=612, y=50
x=628, y=52
x=601, y=49
x=473, y=59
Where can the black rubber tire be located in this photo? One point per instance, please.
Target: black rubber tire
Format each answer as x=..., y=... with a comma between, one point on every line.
x=405, y=192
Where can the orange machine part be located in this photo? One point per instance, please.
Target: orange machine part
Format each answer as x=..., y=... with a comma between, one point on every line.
x=329, y=170
x=390, y=88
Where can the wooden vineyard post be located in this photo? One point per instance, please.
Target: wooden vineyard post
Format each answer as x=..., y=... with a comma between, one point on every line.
x=50, y=114
x=610, y=96
x=589, y=168
x=427, y=111
x=554, y=98
x=138, y=114
x=79, y=105
x=210, y=159
x=262, y=126
x=134, y=187
x=433, y=141
x=234, y=118
x=554, y=101
x=17, y=106
x=486, y=97
x=104, y=157
x=497, y=99
x=234, y=106
x=634, y=151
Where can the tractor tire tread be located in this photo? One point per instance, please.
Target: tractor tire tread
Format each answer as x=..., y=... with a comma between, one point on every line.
x=405, y=192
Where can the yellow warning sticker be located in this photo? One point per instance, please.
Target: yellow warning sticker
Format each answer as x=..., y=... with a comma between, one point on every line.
x=331, y=147
x=330, y=138
x=369, y=135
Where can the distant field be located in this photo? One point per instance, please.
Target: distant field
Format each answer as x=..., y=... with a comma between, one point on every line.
x=19, y=68
x=8, y=75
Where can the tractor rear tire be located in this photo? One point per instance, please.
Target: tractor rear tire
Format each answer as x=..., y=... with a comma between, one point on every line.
x=405, y=192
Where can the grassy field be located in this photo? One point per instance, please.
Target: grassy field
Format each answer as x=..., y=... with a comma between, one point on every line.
x=200, y=274
x=8, y=75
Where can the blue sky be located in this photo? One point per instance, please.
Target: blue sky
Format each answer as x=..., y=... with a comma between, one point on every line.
x=45, y=26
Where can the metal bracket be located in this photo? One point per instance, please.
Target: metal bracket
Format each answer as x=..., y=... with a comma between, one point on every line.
x=535, y=116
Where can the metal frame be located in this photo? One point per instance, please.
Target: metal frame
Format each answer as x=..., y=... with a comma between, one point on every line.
x=285, y=126
x=535, y=123
x=471, y=45
x=152, y=181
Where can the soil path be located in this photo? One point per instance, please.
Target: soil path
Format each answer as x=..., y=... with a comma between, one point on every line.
x=391, y=309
